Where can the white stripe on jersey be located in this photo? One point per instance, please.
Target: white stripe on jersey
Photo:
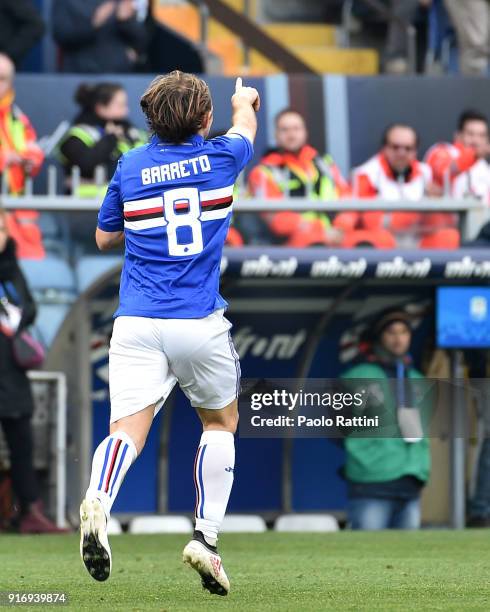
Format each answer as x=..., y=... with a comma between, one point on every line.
x=145, y=224
x=211, y=215
x=143, y=204
x=216, y=194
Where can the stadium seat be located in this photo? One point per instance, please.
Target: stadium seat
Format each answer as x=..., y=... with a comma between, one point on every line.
x=91, y=267
x=114, y=526
x=48, y=321
x=243, y=523
x=306, y=522
x=48, y=225
x=52, y=228
x=160, y=524
x=49, y=274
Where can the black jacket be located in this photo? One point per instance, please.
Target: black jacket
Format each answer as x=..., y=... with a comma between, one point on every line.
x=87, y=49
x=21, y=27
x=103, y=152
x=15, y=393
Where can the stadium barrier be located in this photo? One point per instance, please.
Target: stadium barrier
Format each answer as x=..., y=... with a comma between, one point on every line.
x=473, y=213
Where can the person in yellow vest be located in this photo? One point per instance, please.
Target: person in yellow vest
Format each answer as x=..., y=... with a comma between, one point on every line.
x=296, y=169
x=20, y=157
x=98, y=137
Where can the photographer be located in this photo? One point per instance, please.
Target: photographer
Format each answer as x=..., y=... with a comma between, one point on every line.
x=99, y=135
x=18, y=311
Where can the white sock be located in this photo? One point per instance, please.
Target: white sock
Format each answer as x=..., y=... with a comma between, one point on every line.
x=213, y=477
x=112, y=459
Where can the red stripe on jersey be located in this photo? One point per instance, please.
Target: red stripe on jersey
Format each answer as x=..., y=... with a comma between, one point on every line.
x=227, y=200
x=181, y=204
x=144, y=211
x=111, y=468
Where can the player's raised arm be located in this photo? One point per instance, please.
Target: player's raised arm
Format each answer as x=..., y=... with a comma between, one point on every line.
x=245, y=103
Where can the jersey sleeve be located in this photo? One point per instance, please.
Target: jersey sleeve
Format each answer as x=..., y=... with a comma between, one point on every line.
x=111, y=215
x=240, y=148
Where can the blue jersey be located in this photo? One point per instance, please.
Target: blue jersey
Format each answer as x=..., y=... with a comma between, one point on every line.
x=174, y=204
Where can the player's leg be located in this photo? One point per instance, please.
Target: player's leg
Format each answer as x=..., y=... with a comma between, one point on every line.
x=213, y=477
x=140, y=380
x=112, y=459
x=214, y=467
x=203, y=358
x=115, y=455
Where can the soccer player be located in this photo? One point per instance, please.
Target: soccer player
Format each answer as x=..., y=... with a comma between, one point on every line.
x=171, y=202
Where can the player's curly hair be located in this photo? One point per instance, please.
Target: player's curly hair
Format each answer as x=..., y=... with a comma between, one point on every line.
x=175, y=105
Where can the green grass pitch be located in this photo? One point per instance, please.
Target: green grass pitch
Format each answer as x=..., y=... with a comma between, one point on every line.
x=426, y=570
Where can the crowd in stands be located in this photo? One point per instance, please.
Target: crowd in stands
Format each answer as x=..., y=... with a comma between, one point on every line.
x=101, y=36
x=118, y=36
x=101, y=132
x=295, y=169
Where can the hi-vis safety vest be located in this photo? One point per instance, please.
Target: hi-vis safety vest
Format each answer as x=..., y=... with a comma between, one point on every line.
x=291, y=180
x=17, y=134
x=16, y=131
x=90, y=136
x=13, y=133
x=283, y=174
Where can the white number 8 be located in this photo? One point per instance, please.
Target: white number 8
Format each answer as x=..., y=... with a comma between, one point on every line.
x=189, y=196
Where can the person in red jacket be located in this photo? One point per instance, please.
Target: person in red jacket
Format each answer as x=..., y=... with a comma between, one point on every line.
x=295, y=169
x=20, y=157
x=460, y=168
x=393, y=174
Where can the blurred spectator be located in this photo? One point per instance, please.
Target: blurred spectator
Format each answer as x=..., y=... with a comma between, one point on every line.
x=295, y=169
x=20, y=157
x=396, y=174
x=19, y=154
x=461, y=168
x=396, y=52
x=21, y=27
x=99, y=36
x=471, y=20
x=386, y=475
x=482, y=239
x=17, y=311
x=396, y=39
x=100, y=134
x=478, y=364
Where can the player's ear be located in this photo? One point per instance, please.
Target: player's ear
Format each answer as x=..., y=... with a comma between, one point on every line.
x=208, y=120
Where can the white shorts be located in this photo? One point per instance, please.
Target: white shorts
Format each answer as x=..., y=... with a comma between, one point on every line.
x=148, y=356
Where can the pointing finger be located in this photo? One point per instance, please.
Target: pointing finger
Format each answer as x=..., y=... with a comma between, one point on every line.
x=238, y=84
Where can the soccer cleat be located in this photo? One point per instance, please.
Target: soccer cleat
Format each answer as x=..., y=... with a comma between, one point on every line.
x=94, y=544
x=206, y=561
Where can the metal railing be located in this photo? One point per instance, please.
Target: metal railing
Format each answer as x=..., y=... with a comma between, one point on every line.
x=472, y=212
